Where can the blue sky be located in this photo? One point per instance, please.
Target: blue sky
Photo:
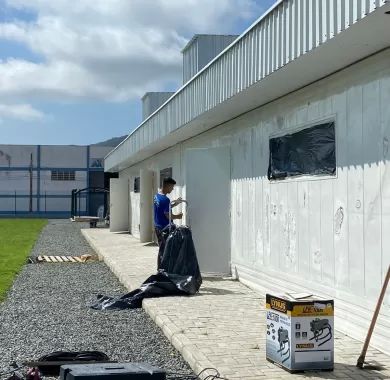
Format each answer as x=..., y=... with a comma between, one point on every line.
x=76, y=75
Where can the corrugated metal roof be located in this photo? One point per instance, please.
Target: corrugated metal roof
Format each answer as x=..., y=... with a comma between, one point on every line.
x=290, y=30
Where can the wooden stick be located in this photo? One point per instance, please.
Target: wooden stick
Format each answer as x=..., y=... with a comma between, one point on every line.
x=362, y=356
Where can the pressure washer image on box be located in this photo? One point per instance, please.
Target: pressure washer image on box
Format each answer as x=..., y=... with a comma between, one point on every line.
x=318, y=328
x=278, y=340
x=284, y=344
x=299, y=332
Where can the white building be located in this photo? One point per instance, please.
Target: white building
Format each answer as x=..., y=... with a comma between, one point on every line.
x=51, y=172
x=304, y=64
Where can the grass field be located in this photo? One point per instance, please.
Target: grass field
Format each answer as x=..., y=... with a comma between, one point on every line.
x=17, y=237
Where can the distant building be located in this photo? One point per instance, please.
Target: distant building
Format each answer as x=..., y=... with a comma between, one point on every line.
x=51, y=172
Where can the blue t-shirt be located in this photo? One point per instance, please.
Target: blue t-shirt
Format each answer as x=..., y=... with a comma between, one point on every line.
x=161, y=206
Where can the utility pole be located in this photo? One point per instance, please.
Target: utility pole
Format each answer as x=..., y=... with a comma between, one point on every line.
x=31, y=182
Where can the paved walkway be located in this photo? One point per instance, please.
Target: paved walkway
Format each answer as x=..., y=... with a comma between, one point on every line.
x=224, y=325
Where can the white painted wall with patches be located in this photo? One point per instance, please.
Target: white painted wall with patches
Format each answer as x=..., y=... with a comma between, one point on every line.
x=327, y=235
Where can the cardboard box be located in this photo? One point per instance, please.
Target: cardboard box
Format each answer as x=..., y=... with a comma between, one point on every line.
x=300, y=332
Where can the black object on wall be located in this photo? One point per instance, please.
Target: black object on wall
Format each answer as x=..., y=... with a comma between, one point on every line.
x=311, y=151
x=137, y=184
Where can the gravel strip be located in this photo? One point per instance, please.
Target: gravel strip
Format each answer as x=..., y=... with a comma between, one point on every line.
x=46, y=310
x=62, y=238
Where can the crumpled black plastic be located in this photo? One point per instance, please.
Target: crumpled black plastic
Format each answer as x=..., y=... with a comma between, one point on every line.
x=310, y=151
x=178, y=274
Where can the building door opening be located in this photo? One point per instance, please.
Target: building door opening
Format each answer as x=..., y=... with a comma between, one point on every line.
x=208, y=196
x=119, y=198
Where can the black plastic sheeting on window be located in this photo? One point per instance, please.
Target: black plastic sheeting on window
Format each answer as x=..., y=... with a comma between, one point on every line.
x=310, y=151
x=137, y=184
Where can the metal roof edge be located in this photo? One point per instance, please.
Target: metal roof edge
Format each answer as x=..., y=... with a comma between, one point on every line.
x=261, y=18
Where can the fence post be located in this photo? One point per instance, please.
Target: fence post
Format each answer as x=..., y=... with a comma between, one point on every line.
x=15, y=201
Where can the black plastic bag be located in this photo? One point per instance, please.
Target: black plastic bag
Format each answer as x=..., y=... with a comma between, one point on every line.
x=178, y=275
x=180, y=256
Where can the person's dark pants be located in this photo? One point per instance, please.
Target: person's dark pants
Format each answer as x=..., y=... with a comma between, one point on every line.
x=161, y=246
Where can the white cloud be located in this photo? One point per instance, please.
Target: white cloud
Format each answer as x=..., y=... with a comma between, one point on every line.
x=108, y=49
x=23, y=112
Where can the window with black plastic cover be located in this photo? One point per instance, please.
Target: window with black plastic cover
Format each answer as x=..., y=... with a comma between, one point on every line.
x=311, y=151
x=137, y=184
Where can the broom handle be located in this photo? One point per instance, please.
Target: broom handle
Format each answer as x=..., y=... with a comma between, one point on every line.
x=362, y=356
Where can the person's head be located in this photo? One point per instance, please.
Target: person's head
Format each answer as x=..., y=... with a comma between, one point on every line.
x=168, y=185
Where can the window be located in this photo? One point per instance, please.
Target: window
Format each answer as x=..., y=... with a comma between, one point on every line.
x=63, y=175
x=137, y=184
x=165, y=173
x=311, y=151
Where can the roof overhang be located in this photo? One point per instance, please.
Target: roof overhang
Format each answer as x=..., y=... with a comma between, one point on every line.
x=361, y=40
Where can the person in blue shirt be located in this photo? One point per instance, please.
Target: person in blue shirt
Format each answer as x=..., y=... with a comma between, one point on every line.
x=161, y=212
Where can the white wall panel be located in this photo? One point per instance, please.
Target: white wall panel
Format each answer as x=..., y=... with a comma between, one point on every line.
x=372, y=189
x=340, y=189
x=63, y=156
x=59, y=204
x=135, y=214
x=17, y=155
x=354, y=149
x=62, y=187
x=385, y=176
x=22, y=204
x=8, y=204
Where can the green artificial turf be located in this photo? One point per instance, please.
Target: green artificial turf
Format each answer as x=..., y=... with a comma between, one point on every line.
x=17, y=237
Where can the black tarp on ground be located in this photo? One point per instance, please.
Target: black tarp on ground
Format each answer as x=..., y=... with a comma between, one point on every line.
x=178, y=275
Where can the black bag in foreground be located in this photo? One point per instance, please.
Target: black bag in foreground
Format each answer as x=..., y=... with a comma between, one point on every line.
x=178, y=275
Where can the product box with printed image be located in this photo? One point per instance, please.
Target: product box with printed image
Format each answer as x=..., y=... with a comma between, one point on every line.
x=300, y=332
